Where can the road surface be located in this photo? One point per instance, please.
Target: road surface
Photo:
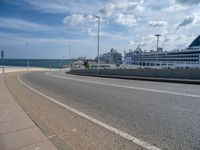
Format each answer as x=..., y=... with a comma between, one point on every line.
x=166, y=115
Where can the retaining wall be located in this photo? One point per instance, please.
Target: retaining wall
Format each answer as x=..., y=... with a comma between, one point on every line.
x=179, y=73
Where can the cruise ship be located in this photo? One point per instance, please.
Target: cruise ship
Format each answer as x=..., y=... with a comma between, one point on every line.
x=189, y=57
x=112, y=57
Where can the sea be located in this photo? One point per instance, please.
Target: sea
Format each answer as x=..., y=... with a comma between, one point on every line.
x=46, y=63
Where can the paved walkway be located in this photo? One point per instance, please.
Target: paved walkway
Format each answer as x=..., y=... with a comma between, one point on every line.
x=17, y=131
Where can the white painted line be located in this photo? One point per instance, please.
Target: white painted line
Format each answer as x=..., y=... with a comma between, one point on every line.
x=100, y=123
x=124, y=86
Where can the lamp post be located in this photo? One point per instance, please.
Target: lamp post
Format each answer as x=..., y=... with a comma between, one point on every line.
x=157, y=35
x=2, y=57
x=27, y=43
x=98, y=61
x=70, y=61
x=49, y=63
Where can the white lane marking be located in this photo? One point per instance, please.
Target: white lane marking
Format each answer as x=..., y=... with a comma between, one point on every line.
x=100, y=123
x=124, y=86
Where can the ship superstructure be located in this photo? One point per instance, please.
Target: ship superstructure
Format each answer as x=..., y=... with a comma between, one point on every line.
x=189, y=57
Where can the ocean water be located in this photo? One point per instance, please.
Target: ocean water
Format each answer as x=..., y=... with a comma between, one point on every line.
x=46, y=63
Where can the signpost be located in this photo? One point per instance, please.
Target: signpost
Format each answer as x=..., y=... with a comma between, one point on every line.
x=2, y=58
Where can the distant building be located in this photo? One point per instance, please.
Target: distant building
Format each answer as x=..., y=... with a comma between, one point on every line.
x=112, y=57
x=189, y=57
x=77, y=64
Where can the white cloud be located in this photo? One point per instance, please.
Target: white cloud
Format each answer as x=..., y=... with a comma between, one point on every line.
x=196, y=17
x=147, y=40
x=18, y=24
x=89, y=32
x=126, y=20
x=108, y=10
x=130, y=6
x=181, y=40
x=122, y=12
x=76, y=19
x=131, y=43
x=174, y=7
x=122, y=7
x=157, y=23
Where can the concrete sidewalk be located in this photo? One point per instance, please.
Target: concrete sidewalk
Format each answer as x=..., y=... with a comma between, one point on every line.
x=17, y=130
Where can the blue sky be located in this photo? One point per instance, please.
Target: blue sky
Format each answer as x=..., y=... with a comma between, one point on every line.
x=50, y=26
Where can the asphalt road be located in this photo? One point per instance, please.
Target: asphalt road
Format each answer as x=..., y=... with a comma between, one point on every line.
x=166, y=115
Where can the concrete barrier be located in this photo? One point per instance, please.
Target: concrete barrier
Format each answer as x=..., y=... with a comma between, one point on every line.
x=182, y=73
x=22, y=69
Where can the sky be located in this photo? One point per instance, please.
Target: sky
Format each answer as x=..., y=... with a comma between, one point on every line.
x=46, y=28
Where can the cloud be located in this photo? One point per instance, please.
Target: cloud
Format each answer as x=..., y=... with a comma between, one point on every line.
x=175, y=7
x=131, y=43
x=18, y=24
x=157, y=23
x=130, y=6
x=196, y=17
x=125, y=20
x=187, y=21
x=110, y=13
x=108, y=10
x=144, y=41
x=188, y=2
x=122, y=12
x=193, y=19
x=77, y=19
x=59, y=6
x=121, y=7
x=182, y=40
x=89, y=32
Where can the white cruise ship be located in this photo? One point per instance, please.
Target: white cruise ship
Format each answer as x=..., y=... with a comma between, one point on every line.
x=189, y=57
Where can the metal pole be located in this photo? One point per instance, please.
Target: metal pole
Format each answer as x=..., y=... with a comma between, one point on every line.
x=49, y=64
x=2, y=57
x=157, y=42
x=157, y=35
x=98, y=60
x=28, y=56
x=70, y=61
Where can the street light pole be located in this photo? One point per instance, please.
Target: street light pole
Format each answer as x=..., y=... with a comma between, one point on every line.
x=70, y=61
x=157, y=35
x=2, y=57
x=49, y=63
x=98, y=60
x=27, y=43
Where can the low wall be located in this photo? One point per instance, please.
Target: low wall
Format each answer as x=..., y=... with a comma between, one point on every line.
x=182, y=73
